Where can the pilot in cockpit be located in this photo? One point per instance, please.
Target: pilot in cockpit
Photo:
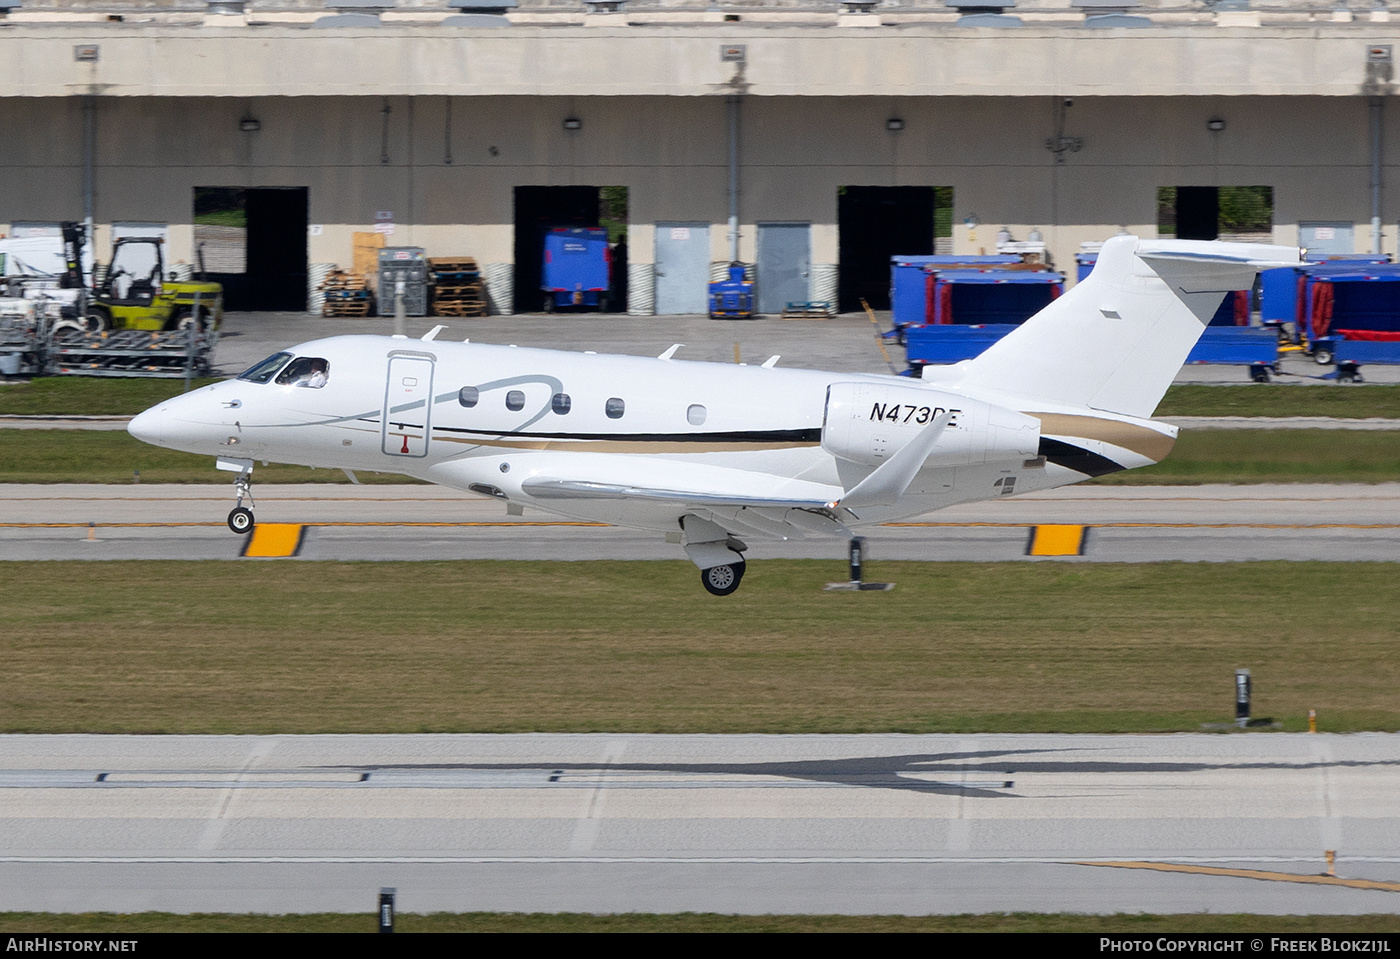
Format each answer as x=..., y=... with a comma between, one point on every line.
x=311, y=372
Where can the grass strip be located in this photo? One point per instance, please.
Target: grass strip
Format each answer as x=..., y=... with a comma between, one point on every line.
x=324, y=647
x=1271, y=456
x=154, y=922
x=91, y=396
x=88, y=395
x=1282, y=399
x=1200, y=456
x=115, y=456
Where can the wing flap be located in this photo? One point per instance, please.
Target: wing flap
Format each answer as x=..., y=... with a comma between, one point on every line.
x=547, y=488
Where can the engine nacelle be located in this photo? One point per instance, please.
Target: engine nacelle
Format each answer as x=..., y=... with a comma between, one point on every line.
x=868, y=422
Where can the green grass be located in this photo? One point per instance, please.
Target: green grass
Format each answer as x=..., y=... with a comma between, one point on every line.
x=114, y=456
x=76, y=395
x=1281, y=399
x=153, y=922
x=1272, y=456
x=1200, y=456
x=323, y=647
x=88, y=396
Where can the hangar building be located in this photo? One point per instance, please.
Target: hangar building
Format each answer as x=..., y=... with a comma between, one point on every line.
x=808, y=141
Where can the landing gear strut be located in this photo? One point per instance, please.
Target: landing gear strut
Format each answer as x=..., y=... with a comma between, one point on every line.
x=240, y=518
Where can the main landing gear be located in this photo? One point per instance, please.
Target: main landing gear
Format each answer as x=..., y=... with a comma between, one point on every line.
x=240, y=518
x=718, y=554
x=723, y=580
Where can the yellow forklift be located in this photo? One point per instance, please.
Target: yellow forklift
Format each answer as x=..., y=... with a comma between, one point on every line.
x=136, y=293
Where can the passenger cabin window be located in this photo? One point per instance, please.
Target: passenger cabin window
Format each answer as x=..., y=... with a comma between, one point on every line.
x=695, y=415
x=266, y=370
x=615, y=408
x=561, y=403
x=468, y=396
x=308, y=371
x=515, y=400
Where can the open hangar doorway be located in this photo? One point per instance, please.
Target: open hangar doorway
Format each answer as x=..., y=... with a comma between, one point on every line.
x=875, y=223
x=253, y=242
x=538, y=208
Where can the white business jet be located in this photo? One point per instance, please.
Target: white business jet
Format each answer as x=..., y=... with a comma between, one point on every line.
x=712, y=454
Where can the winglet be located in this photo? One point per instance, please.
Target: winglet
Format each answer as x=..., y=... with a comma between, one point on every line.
x=891, y=478
x=431, y=335
x=772, y=361
x=671, y=352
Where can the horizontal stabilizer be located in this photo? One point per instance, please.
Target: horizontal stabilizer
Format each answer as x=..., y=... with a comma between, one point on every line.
x=1117, y=339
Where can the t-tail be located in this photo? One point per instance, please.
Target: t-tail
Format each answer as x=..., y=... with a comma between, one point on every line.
x=1115, y=341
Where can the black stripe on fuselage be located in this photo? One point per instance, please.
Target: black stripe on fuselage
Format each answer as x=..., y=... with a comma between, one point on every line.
x=1077, y=458
x=735, y=436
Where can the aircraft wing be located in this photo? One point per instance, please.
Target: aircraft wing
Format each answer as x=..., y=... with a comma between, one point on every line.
x=549, y=488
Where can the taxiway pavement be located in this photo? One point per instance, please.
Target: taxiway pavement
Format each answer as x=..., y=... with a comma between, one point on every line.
x=732, y=824
x=1341, y=522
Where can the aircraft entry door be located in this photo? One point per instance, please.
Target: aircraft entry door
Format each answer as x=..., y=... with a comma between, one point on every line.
x=408, y=405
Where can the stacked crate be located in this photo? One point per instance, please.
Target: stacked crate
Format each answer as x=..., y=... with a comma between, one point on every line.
x=457, y=288
x=346, y=294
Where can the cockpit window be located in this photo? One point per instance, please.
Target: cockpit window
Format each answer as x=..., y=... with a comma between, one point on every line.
x=309, y=371
x=264, y=371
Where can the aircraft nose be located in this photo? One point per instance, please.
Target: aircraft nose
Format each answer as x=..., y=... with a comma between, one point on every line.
x=148, y=427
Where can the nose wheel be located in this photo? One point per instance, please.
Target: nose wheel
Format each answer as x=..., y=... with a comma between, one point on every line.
x=240, y=518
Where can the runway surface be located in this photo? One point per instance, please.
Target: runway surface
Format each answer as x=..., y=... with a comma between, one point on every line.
x=342, y=522
x=731, y=824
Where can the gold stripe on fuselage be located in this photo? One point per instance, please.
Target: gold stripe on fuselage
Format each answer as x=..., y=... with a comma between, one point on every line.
x=1142, y=440
x=631, y=446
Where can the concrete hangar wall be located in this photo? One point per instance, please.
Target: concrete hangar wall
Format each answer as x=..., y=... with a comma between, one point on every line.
x=440, y=126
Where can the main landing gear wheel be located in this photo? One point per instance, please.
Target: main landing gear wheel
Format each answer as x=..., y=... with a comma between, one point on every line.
x=240, y=519
x=722, y=580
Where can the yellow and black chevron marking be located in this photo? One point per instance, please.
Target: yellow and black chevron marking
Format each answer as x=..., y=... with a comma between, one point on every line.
x=1320, y=880
x=1057, y=540
x=274, y=540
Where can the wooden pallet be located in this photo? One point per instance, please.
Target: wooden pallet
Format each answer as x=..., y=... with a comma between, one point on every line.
x=346, y=307
x=453, y=264
x=807, y=311
x=343, y=280
x=458, y=308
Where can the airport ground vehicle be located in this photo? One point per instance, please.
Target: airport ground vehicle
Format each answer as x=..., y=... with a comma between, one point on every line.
x=137, y=293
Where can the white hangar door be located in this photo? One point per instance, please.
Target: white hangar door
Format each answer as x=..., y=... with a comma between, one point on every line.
x=682, y=268
x=784, y=265
x=408, y=406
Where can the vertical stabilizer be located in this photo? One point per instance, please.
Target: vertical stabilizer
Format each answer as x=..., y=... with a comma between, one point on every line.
x=1116, y=340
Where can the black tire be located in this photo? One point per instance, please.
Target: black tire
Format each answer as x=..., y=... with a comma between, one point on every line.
x=96, y=321
x=240, y=520
x=722, y=580
x=185, y=318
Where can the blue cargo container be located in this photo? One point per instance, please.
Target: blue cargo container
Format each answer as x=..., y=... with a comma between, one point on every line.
x=909, y=280
x=1350, y=315
x=732, y=299
x=1278, y=302
x=980, y=297
x=577, y=267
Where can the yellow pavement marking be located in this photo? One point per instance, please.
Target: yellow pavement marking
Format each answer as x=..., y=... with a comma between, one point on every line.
x=274, y=540
x=1057, y=540
x=1321, y=880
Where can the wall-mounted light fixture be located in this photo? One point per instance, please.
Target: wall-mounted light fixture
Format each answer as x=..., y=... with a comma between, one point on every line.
x=970, y=221
x=1215, y=124
x=894, y=124
x=573, y=123
x=249, y=124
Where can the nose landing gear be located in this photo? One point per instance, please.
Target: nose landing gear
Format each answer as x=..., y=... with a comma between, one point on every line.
x=240, y=518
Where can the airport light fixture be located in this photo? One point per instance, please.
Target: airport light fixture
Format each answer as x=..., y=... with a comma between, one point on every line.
x=894, y=124
x=249, y=124
x=1215, y=124
x=573, y=124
